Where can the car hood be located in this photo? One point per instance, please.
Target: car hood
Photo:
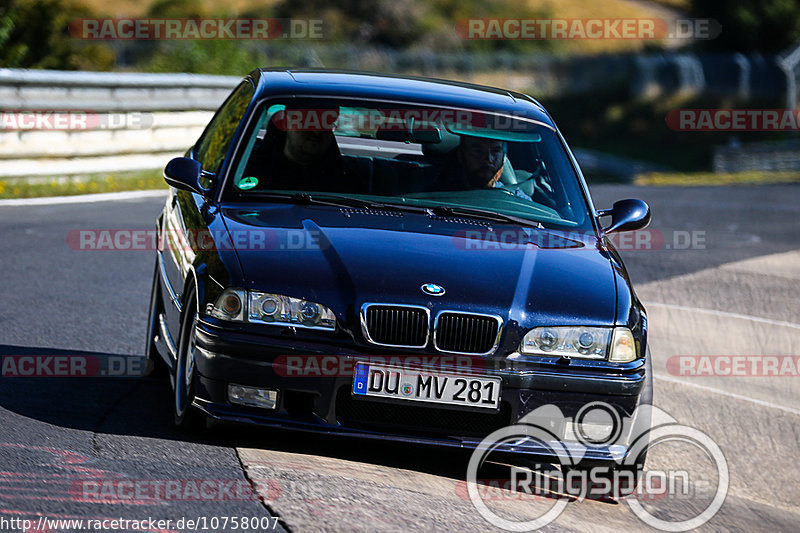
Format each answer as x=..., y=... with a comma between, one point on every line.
x=343, y=258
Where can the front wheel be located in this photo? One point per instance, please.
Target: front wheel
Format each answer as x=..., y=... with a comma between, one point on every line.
x=187, y=417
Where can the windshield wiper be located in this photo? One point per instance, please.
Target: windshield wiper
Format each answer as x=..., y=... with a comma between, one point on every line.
x=444, y=210
x=303, y=198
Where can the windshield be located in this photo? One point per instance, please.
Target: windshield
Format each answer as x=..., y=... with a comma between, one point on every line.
x=459, y=160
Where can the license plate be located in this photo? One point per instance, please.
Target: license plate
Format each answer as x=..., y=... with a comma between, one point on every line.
x=406, y=384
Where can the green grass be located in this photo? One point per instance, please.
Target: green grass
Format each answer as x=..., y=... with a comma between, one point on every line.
x=693, y=179
x=87, y=184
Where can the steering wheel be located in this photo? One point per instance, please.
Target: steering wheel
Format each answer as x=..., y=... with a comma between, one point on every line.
x=501, y=189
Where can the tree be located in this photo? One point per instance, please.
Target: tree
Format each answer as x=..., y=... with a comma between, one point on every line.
x=768, y=26
x=35, y=34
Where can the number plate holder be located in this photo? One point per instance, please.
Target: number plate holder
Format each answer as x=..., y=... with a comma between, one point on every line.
x=389, y=383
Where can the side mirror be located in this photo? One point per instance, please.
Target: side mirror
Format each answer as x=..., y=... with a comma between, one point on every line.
x=184, y=174
x=627, y=215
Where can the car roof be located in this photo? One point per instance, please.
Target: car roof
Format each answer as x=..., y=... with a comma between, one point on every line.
x=379, y=86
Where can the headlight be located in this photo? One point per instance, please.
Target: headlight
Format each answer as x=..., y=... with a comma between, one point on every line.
x=581, y=342
x=278, y=309
x=267, y=308
x=229, y=305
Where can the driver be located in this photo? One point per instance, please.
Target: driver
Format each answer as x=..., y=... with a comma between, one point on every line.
x=477, y=163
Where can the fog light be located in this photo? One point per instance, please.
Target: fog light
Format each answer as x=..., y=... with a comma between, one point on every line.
x=597, y=423
x=595, y=433
x=252, y=397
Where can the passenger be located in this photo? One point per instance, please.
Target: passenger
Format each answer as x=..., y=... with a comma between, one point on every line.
x=303, y=159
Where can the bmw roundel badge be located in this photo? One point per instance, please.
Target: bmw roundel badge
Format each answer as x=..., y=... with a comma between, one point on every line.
x=433, y=289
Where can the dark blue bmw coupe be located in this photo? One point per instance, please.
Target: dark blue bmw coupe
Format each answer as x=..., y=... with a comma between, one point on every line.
x=391, y=257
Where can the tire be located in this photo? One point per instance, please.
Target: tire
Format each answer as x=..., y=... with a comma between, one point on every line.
x=156, y=366
x=186, y=416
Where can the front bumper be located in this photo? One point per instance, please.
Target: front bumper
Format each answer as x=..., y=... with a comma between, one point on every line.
x=319, y=398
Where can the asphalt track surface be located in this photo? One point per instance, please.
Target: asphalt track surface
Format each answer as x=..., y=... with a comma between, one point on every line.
x=736, y=291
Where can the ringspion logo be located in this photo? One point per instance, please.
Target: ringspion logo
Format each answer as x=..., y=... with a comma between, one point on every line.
x=621, y=478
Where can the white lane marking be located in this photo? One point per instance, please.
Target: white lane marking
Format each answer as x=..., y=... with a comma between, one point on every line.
x=782, y=264
x=725, y=314
x=84, y=198
x=726, y=393
x=713, y=389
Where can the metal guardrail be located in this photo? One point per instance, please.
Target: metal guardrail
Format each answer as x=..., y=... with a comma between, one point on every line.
x=162, y=115
x=111, y=91
x=112, y=79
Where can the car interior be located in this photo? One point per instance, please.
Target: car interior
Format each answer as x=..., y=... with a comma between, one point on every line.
x=406, y=158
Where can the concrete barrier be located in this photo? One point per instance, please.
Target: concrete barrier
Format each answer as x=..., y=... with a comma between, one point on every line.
x=137, y=121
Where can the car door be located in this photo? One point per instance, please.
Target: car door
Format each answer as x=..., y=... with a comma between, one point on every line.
x=183, y=223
